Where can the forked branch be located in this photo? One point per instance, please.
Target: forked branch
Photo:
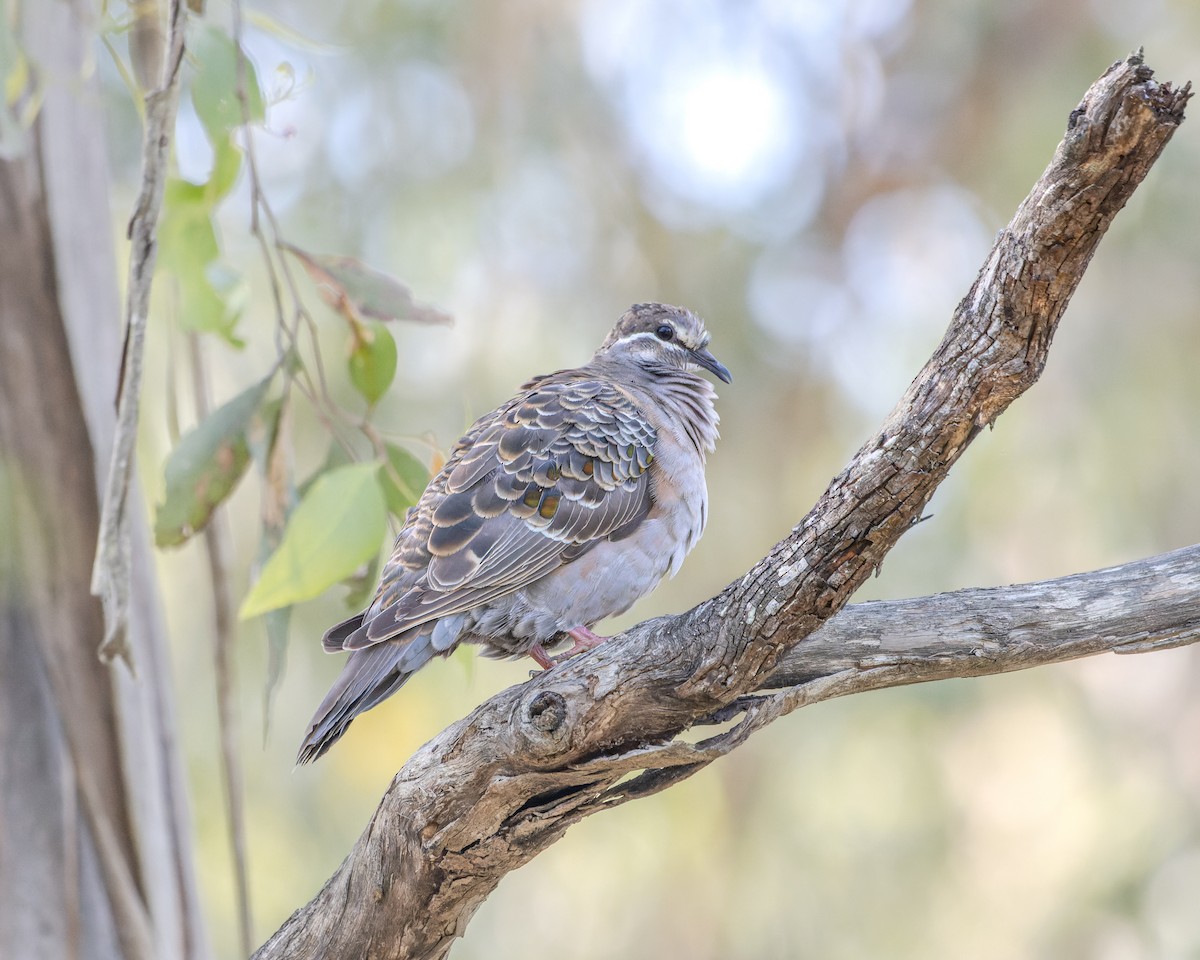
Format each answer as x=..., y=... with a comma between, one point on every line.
x=499, y=786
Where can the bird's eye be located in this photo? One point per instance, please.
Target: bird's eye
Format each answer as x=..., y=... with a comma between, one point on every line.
x=665, y=332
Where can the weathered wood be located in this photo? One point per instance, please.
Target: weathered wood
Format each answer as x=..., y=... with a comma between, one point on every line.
x=1138, y=607
x=501, y=785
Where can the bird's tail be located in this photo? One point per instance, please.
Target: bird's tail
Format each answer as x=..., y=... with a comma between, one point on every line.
x=370, y=676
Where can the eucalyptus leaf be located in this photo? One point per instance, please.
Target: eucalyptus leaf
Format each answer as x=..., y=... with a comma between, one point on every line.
x=335, y=457
x=263, y=432
x=357, y=291
x=373, y=362
x=337, y=527
x=214, y=84
x=210, y=293
x=206, y=465
x=227, y=164
x=403, y=484
x=187, y=239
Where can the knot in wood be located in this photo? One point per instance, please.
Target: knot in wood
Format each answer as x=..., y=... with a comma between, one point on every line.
x=544, y=727
x=546, y=712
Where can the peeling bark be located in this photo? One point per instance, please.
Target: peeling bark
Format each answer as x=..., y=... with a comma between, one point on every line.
x=501, y=785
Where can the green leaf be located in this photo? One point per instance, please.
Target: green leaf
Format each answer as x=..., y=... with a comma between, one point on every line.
x=373, y=362
x=404, y=483
x=200, y=307
x=227, y=164
x=207, y=301
x=214, y=84
x=206, y=465
x=186, y=238
x=337, y=527
x=210, y=293
x=356, y=290
x=335, y=457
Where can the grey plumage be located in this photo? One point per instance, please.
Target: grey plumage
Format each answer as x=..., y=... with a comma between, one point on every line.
x=556, y=510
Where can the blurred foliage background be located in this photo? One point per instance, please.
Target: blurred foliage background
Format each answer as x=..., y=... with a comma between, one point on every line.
x=819, y=180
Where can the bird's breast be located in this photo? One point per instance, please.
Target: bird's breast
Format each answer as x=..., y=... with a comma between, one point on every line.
x=680, y=503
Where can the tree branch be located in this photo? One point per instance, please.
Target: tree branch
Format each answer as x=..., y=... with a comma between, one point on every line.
x=218, y=547
x=1138, y=607
x=111, y=572
x=499, y=786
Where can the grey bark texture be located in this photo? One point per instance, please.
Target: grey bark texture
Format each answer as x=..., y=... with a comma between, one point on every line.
x=95, y=859
x=501, y=785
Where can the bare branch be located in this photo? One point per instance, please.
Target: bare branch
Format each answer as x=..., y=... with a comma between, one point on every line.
x=499, y=786
x=1138, y=607
x=111, y=571
x=218, y=547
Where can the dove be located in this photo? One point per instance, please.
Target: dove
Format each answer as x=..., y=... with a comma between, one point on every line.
x=558, y=509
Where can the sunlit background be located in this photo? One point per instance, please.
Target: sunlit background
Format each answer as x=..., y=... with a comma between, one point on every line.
x=820, y=180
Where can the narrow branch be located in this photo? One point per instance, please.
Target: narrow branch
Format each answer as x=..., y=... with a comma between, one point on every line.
x=499, y=786
x=111, y=570
x=1138, y=607
x=219, y=549
x=274, y=250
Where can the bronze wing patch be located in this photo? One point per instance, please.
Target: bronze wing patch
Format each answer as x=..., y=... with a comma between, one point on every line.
x=560, y=468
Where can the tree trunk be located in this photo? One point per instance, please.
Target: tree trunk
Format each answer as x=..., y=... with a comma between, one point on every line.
x=95, y=859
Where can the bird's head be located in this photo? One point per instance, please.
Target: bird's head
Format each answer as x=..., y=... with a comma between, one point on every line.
x=657, y=336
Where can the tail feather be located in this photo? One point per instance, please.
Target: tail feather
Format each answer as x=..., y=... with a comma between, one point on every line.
x=370, y=676
x=336, y=636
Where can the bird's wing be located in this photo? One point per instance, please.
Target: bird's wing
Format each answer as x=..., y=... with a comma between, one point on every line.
x=560, y=468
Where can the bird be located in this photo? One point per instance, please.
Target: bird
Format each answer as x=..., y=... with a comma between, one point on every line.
x=558, y=509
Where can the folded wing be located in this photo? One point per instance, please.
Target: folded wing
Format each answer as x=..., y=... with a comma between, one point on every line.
x=560, y=468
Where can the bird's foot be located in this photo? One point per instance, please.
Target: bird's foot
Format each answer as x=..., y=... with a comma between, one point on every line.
x=584, y=640
x=541, y=657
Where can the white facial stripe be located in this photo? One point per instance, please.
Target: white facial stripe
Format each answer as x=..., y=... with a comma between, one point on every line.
x=643, y=335
x=647, y=335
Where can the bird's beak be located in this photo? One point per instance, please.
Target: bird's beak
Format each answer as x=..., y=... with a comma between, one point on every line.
x=712, y=364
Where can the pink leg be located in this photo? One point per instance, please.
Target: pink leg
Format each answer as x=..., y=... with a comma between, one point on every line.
x=584, y=640
x=539, y=654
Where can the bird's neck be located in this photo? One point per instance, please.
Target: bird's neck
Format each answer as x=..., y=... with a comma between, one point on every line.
x=683, y=399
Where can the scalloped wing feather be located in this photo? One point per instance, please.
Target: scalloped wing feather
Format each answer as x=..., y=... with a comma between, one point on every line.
x=561, y=467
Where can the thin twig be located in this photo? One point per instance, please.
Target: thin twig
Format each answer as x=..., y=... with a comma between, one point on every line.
x=218, y=549
x=280, y=276
x=111, y=570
